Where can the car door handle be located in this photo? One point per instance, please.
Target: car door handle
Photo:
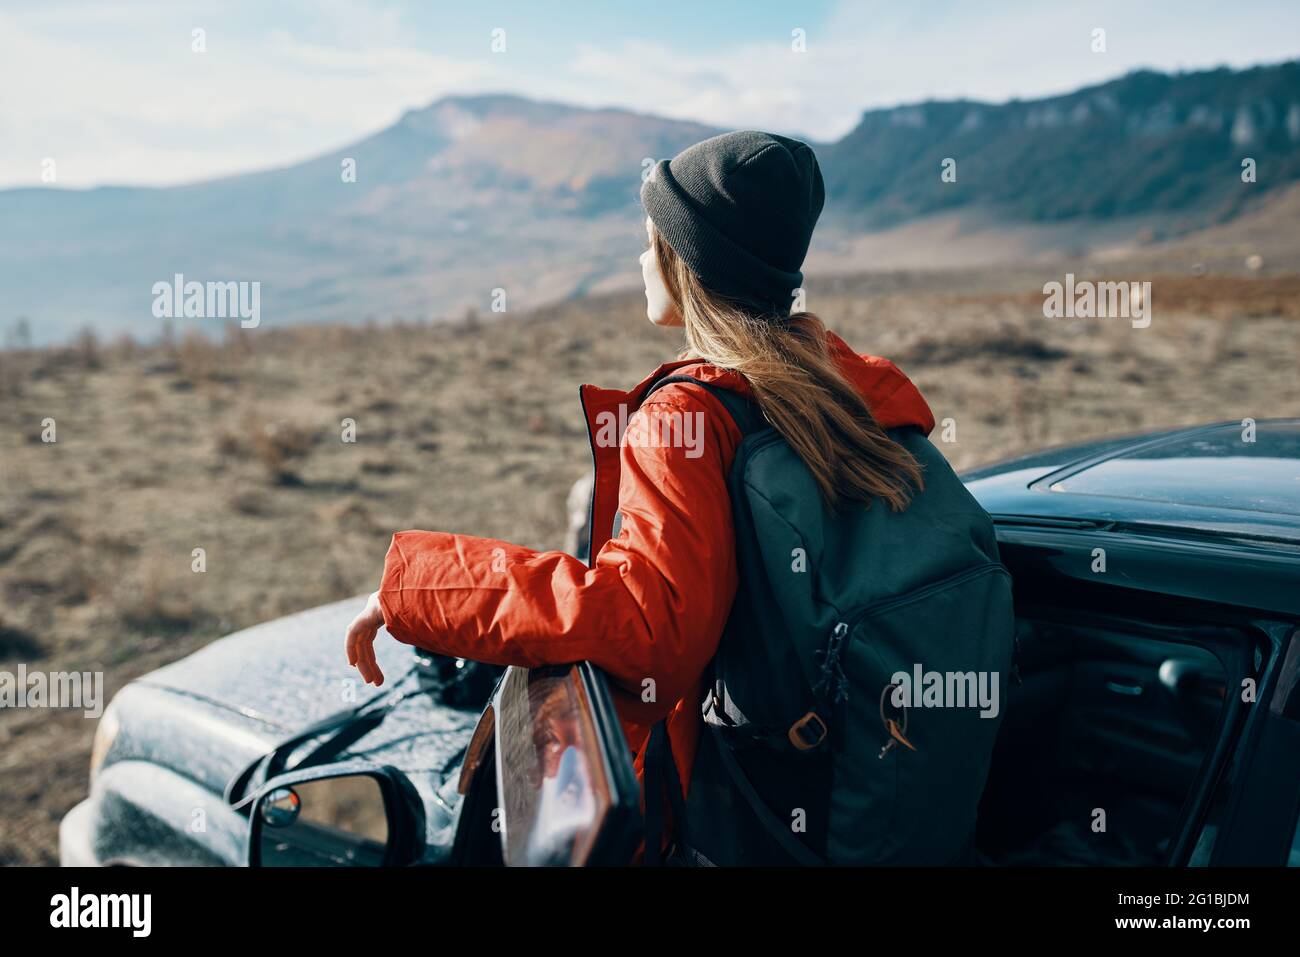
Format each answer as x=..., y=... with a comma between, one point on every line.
x=1119, y=687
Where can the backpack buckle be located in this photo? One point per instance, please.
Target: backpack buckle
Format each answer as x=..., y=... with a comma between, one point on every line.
x=805, y=737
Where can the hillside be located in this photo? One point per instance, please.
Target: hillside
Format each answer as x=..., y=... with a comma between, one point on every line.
x=475, y=194
x=1147, y=144
x=234, y=446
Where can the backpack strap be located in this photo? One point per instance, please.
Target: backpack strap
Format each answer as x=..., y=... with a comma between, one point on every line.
x=779, y=831
x=661, y=780
x=660, y=769
x=810, y=730
x=744, y=412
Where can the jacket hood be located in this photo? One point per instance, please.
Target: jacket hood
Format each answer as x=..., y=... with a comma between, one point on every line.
x=892, y=397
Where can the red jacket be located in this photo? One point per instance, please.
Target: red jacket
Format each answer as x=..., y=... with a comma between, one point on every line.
x=650, y=609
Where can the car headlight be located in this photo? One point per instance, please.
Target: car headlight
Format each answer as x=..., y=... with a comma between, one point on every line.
x=105, y=734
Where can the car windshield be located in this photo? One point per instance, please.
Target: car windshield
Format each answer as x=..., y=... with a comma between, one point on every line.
x=1230, y=467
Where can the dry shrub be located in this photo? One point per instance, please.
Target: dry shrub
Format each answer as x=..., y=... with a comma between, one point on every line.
x=229, y=443
x=51, y=563
x=125, y=348
x=1004, y=342
x=17, y=644
x=351, y=515
x=249, y=501
x=380, y=465
x=161, y=597
x=278, y=444
x=1031, y=413
x=237, y=342
x=86, y=352
x=275, y=445
x=197, y=358
x=12, y=375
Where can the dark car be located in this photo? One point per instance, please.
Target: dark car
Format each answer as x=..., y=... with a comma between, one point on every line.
x=1153, y=715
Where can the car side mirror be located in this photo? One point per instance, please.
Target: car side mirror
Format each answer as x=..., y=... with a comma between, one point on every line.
x=564, y=779
x=336, y=818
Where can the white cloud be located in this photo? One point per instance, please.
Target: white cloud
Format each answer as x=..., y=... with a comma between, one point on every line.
x=115, y=94
x=883, y=54
x=141, y=107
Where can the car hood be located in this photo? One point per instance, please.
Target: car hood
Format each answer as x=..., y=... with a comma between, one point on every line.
x=208, y=715
x=285, y=673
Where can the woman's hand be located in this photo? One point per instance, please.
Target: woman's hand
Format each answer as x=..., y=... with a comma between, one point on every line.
x=361, y=641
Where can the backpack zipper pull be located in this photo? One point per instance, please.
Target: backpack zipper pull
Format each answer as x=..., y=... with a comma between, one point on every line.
x=833, y=685
x=896, y=735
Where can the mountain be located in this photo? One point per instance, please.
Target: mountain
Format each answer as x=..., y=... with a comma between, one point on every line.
x=1147, y=144
x=466, y=196
x=479, y=193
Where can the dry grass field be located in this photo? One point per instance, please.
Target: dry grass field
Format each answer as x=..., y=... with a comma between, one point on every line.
x=233, y=445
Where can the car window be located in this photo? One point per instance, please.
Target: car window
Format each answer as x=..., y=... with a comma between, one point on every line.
x=1293, y=859
x=1229, y=467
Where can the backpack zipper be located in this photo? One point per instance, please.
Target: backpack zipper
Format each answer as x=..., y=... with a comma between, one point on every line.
x=832, y=687
x=833, y=684
x=889, y=604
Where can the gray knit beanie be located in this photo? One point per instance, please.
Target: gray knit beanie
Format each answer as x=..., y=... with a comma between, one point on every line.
x=740, y=209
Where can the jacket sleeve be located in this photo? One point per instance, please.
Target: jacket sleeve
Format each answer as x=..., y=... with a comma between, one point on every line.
x=650, y=610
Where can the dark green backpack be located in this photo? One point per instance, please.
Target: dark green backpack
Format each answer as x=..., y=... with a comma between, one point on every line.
x=814, y=751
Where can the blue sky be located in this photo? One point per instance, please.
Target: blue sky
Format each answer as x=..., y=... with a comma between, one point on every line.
x=113, y=92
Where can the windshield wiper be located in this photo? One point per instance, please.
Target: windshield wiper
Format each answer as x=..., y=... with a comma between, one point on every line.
x=344, y=728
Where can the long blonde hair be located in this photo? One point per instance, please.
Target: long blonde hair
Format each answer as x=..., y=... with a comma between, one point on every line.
x=796, y=383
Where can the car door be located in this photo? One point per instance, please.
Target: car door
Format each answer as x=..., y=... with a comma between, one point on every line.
x=1141, y=692
x=1116, y=722
x=1262, y=818
x=548, y=777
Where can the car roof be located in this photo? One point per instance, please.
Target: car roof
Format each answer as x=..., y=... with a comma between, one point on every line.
x=1228, y=479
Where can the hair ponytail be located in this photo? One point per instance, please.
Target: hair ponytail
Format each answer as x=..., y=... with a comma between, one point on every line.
x=799, y=389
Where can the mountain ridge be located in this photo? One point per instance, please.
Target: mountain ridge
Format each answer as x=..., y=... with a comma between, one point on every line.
x=480, y=192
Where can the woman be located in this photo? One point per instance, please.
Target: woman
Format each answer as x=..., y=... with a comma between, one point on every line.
x=729, y=222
